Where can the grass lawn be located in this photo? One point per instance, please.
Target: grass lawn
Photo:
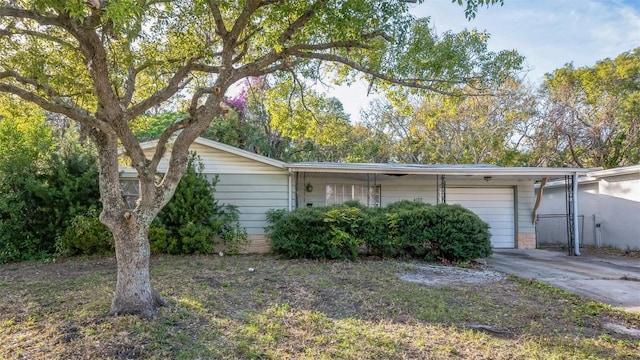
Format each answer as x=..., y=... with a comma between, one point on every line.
x=298, y=310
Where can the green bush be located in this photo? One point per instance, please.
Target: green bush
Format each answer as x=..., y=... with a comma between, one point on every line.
x=43, y=187
x=406, y=205
x=85, y=235
x=345, y=224
x=403, y=229
x=300, y=234
x=193, y=222
x=460, y=234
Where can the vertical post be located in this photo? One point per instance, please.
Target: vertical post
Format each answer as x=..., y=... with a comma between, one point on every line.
x=289, y=190
x=576, y=234
x=443, y=189
x=368, y=191
x=437, y=189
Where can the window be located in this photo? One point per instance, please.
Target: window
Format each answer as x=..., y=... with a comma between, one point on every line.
x=130, y=192
x=340, y=193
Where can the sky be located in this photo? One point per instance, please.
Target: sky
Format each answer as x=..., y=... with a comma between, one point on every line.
x=549, y=33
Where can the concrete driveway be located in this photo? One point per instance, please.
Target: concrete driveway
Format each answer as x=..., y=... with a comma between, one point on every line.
x=609, y=279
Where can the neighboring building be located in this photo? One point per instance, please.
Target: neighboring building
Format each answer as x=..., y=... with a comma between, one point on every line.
x=503, y=197
x=608, y=207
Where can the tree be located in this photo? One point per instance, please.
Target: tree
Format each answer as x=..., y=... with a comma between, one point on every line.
x=106, y=64
x=456, y=130
x=590, y=116
x=317, y=126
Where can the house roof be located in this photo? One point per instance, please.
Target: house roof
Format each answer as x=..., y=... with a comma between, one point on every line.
x=227, y=148
x=420, y=169
x=593, y=177
x=482, y=170
x=626, y=170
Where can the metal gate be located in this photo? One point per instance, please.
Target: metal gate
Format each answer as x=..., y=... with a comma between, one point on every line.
x=551, y=231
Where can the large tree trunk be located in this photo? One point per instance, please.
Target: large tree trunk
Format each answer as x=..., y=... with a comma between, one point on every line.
x=133, y=294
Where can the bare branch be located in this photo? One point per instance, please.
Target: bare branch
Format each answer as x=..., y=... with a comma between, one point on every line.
x=197, y=96
x=130, y=84
x=210, y=69
x=161, y=147
x=217, y=17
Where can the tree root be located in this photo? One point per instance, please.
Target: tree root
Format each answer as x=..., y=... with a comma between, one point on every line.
x=150, y=311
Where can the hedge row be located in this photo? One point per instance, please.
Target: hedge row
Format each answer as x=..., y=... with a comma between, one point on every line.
x=404, y=229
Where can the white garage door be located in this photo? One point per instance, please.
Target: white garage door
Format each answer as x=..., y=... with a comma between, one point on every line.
x=494, y=206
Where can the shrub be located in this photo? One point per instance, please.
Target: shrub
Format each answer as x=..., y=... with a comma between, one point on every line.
x=406, y=205
x=344, y=224
x=460, y=234
x=193, y=222
x=415, y=233
x=300, y=234
x=403, y=229
x=85, y=235
x=379, y=231
x=42, y=187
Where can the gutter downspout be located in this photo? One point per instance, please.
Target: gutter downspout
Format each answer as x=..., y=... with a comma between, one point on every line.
x=576, y=234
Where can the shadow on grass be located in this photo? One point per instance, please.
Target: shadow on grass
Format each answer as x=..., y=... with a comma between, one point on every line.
x=296, y=309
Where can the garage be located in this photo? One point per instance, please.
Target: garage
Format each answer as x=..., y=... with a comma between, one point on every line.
x=495, y=206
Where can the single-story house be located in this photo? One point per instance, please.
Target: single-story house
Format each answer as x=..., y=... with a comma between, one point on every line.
x=608, y=210
x=502, y=196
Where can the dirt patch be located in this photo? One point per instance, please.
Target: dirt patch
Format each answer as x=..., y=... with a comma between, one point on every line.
x=53, y=271
x=438, y=275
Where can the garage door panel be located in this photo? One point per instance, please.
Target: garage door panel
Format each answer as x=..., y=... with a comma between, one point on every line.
x=498, y=218
x=501, y=232
x=495, y=206
x=483, y=199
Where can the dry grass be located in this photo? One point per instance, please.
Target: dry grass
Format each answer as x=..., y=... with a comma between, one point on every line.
x=297, y=310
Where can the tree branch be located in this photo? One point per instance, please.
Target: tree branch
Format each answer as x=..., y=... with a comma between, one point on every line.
x=300, y=22
x=57, y=40
x=217, y=17
x=7, y=11
x=161, y=146
x=176, y=83
x=58, y=106
x=408, y=82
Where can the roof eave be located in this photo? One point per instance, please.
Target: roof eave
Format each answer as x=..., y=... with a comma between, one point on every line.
x=627, y=170
x=226, y=148
x=484, y=171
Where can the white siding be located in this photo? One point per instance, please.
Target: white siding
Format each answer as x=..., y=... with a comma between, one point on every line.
x=253, y=186
x=254, y=195
x=610, y=210
x=221, y=162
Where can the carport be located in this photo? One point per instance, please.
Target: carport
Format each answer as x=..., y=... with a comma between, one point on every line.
x=504, y=197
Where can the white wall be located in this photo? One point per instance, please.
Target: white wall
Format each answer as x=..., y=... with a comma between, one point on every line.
x=254, y=187
x=615, y=203
x=254, y=195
